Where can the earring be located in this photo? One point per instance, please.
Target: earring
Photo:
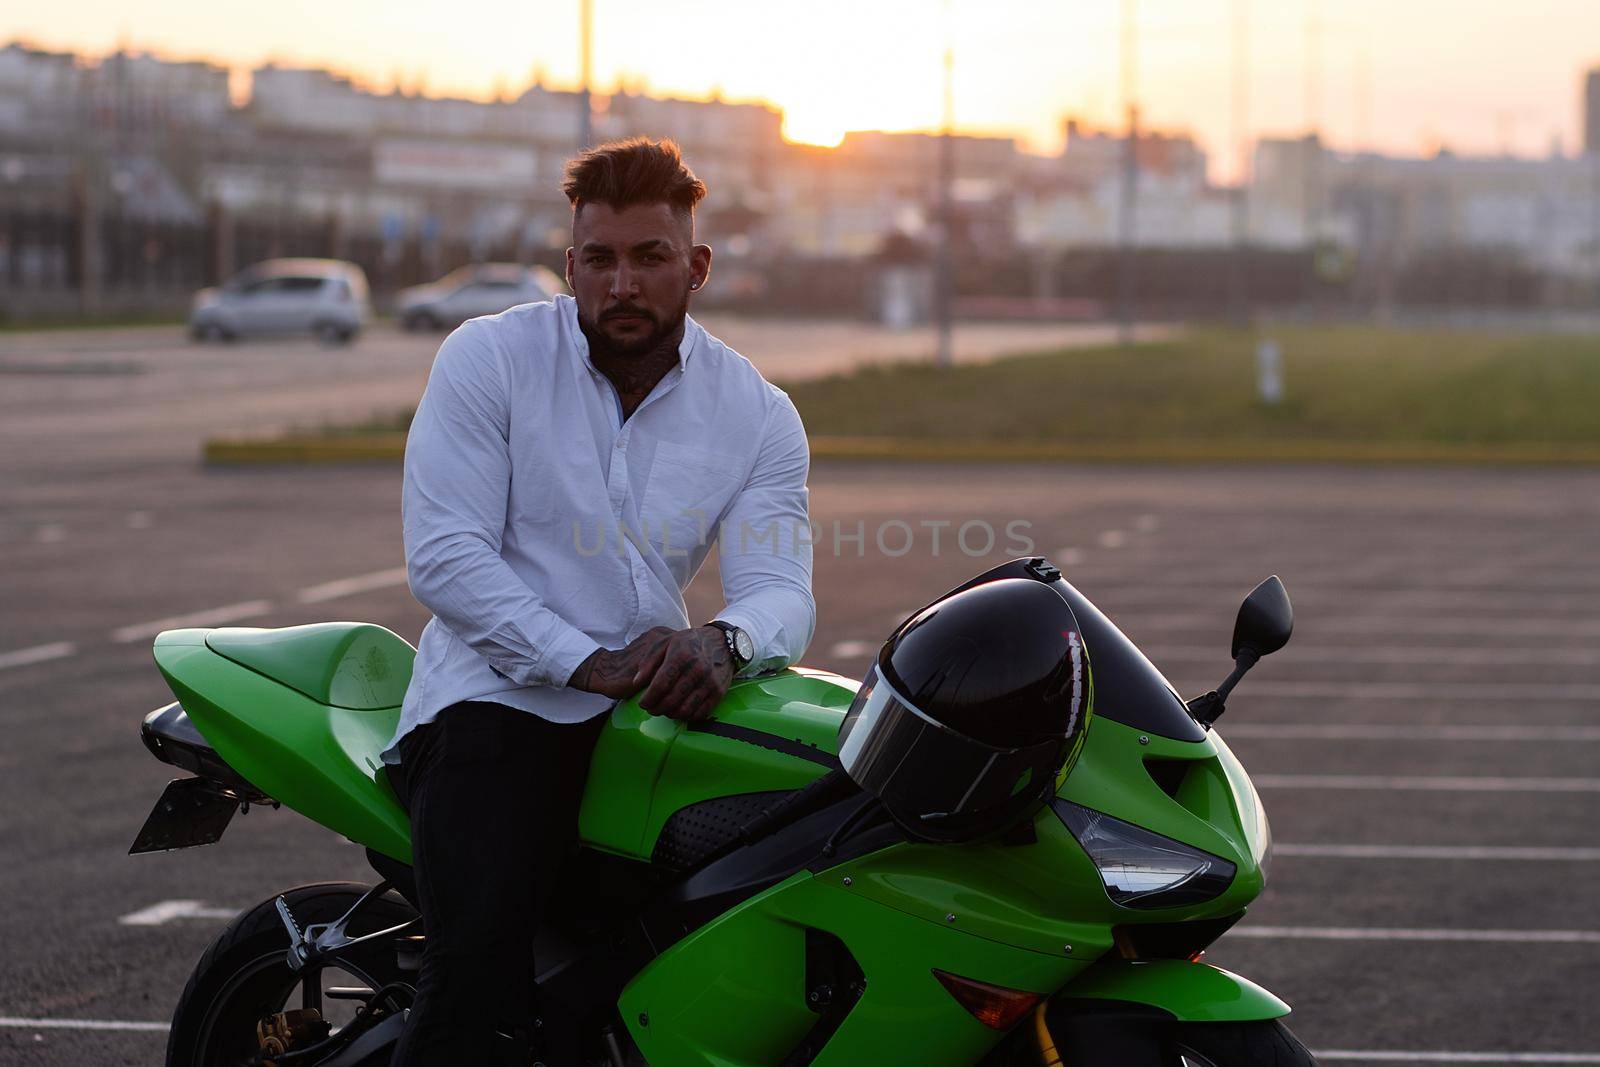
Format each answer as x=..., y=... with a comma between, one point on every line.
x=694, y=285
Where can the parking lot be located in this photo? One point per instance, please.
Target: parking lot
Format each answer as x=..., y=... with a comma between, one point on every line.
x=1426, y=745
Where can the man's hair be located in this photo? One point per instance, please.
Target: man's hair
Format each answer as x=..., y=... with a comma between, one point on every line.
x=635, y=171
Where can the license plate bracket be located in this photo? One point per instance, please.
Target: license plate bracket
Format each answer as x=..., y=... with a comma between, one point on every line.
x=189, y=812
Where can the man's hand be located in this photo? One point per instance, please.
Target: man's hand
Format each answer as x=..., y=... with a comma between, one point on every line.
x=622, y=673
x=693, y=676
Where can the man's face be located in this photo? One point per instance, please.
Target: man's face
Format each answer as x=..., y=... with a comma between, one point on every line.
x=631, y=272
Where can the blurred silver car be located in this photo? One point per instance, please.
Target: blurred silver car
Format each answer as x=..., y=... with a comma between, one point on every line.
x=324, y=297
x=473, y=290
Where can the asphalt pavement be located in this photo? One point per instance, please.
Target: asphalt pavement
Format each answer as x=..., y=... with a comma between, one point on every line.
x=1426, y=745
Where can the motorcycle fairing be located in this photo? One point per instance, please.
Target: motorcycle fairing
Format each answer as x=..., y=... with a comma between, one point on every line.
x=744, y=965
x=260, y=699
x=321, y=760
x=777, y=732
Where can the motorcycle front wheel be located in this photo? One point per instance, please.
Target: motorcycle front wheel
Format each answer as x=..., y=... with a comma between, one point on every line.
x=244, y=975
x=1264, y=1043
x=1148, y=1041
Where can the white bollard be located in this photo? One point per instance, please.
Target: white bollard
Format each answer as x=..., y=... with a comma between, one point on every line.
x=1269, y=372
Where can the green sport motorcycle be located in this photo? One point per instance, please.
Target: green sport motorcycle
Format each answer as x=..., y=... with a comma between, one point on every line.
x=738, y=898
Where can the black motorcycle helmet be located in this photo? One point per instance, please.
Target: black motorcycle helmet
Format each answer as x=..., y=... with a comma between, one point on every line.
x=973, y=706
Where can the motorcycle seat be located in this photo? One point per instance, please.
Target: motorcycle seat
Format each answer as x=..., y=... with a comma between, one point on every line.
x=353, y=665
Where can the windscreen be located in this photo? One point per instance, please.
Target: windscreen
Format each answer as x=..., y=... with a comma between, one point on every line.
x=1127, y=686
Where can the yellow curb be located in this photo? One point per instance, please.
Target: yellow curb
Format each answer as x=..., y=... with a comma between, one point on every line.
x=390, y=446
x=305, y=448
x=1202, y=451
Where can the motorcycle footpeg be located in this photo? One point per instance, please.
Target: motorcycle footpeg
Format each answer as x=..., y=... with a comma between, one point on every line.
x=297, y=939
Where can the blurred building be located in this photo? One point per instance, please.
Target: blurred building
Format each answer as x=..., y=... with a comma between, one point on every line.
x=1545, y=213
x=1075, y=200
x=733, y=147
x=38, y=90
x=313, y=100
x=876, y=188
x=127, y=181
x=137, y=95
x=53, y=96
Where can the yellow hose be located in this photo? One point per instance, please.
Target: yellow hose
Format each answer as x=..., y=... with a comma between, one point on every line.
x=1048, y=1057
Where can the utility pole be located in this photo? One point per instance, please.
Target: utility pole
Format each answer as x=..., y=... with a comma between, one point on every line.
x=1314, y=147
x=585, y=72
x=1238, y=273
x=945, y=297
x=1127, y=280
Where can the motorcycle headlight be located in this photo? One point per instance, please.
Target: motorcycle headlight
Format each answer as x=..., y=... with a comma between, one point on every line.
x=1142, y=869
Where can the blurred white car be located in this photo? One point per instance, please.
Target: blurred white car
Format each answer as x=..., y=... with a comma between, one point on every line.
x=473, y=290
x=324, y=297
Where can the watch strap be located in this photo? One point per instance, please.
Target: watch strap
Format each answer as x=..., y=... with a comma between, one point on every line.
x=729, y=632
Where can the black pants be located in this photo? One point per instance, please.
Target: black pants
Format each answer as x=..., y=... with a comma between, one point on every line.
x=493, y=795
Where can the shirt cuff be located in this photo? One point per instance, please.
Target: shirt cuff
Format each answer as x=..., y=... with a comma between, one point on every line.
x=760, y=629
x=564, y=655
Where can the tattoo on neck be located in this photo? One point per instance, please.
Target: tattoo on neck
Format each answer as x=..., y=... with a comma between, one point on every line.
x=635, y=376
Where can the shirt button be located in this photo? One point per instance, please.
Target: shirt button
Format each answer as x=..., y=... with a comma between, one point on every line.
x=621, y=444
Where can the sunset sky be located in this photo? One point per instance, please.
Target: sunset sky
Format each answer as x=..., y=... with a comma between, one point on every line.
x=1405, y=75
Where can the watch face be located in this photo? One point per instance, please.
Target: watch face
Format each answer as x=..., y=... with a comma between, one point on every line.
x=743, y=646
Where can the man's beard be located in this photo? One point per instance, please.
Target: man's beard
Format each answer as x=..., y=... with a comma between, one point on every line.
x=603, y=345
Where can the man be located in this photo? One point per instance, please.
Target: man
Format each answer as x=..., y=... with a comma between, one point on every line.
x=567, y=470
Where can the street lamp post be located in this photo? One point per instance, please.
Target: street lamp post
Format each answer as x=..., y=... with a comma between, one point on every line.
x=1127, y=280
x=945, y=280
x=1238, y=272
x=585, y=72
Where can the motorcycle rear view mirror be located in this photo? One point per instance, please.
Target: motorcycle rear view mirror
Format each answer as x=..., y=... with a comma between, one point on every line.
x=1265, y=621
x=1264, y=624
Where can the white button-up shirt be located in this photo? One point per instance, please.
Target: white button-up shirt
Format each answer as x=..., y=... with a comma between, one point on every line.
x=541, y=526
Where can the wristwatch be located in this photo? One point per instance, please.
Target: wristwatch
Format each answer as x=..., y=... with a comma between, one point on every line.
x=740, y=647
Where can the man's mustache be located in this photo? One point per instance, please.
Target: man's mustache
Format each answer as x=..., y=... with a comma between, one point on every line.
x=626, y=311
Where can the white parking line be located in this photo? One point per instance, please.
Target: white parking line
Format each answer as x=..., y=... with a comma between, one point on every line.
x=1168, y=591
x=1406, y=655
x=1443, y=783
x=249, y=609
x=1397, y=1056
x=1380, y=933
x=1362, y=731
x=1530, y=691
x=165, y=911
x=361, y=583
x=14, y=1022
x=1516, y=853
x=852, y=649
x=37, y=654
x=1188, y=575
x=1372, y=628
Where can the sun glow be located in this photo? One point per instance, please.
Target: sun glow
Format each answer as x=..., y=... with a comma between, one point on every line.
x=839, y=65
x=819, y=131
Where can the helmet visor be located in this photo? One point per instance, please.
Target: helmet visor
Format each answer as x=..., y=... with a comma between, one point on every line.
x=939, y=784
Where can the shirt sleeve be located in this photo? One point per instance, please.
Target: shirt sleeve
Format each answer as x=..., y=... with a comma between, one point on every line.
x=457, y=479
x=764, y=547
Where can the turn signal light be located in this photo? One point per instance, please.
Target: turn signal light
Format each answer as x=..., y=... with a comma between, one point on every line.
x=994, y=1006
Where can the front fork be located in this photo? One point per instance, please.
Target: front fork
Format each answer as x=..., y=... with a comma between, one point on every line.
x=1115, y=1012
